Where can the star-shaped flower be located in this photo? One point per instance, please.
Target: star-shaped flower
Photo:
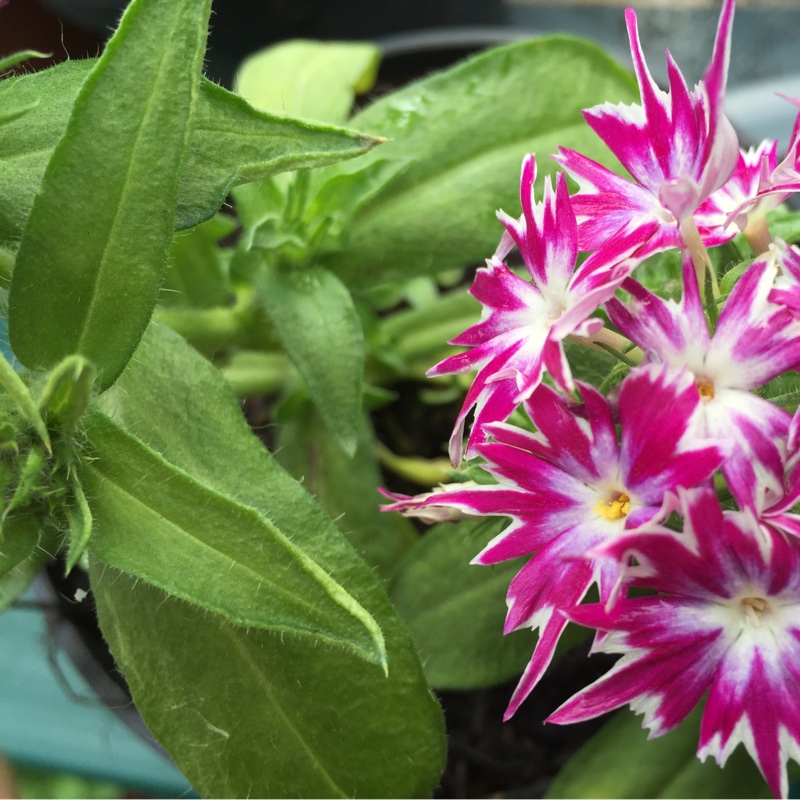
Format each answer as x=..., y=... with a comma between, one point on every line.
x=755, y=340
x=523, y=323
x=725, y=621
x=571, y=486
x=678, y=146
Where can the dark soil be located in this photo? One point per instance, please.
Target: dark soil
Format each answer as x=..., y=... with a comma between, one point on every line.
x=519, y=758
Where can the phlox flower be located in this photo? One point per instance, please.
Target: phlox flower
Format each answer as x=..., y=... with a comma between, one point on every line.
x=678, y=146
x=775, y=505
x=786, y=289
x=755, y=340
x=725, y=621
x=753, y=168
x=758, y=185
x=523, y=323
x=571, y=486
x=776, y=181
x=416, y=506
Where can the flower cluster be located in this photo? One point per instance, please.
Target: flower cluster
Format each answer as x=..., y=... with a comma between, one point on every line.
x=678, y=479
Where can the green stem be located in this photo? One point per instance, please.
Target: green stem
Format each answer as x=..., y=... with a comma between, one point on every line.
x=757, y=234
x=699, y=254
x=614, y=343
x=616, y=353
x=252, y=373
x=423, y=471
x=210, y=329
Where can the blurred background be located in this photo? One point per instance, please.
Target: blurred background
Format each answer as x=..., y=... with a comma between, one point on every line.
x=61, y=739
x=764, y=36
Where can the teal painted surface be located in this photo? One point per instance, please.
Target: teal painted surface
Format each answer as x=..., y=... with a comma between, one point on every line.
x=45, y=725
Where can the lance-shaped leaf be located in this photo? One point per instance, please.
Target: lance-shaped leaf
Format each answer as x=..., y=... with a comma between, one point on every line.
x=467, y=130
x=88, y=270
x=259, y=729
x=249, y=713
x=155, y=522
x=319, y=327
x=231, y=143
x=25, y=547
x=66, y=394
x=79, y=519
x=17, y=58
x=19, y=393
x=312, y=80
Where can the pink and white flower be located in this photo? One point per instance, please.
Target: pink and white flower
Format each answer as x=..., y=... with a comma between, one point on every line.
x=726, y=622
x=714, y=216
x=418, y=507
x=523, y=323
x=755, y=340
x=678, y=146
x=786, y=289
x=776, y=182
x=572, y=486
x=775, y=507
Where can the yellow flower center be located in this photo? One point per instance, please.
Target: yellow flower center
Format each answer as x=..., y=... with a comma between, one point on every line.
x=616, y=508
x=753, y=608
x=705, y=389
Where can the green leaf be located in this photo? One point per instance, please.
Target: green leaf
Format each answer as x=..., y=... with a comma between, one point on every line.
x=346, y=487
x=620, y=761
x=784, y=390
x=784, y=223
x=18, y=58
x=313, y=80
x=23, y=552
x=319, y=328
x=18, y=391
x=30, y=476
x=587, y=364
x=343, y=196
x=67, y=392
x=198, y=274
x=231, y=143
x=661, y=274
x=10, y=114
x=79, y=518
x=88, y=271
x=27, y=144
x=254, y=714
x=467, y=130
x=456, y=610
x=155, y=522
x=187, y=668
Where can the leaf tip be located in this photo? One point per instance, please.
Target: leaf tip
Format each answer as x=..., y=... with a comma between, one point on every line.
x=348, y=441
x=372, y=141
